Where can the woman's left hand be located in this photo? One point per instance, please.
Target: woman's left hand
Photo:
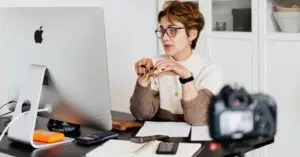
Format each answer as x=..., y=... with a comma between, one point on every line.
x=170, y=67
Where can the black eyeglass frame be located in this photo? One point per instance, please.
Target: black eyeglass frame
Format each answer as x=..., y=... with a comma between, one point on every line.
x=163, y=31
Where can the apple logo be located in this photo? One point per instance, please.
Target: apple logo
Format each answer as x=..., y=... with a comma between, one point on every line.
x=38, y=35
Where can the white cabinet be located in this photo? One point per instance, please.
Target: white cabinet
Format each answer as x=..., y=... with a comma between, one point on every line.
x=263, y=59
x=280, y=77
x=236, y=46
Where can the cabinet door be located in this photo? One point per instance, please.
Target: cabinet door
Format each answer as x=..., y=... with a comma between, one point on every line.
x=281, y=79
x=235, y=47
x=233, y=43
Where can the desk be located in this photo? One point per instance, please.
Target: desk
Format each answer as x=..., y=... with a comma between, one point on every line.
x=74, y=150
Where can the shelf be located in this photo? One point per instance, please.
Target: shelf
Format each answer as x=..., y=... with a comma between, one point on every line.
x=283, y=36
x=232, y=35
x=281, y=22
x=232, y=15
x=216, y=1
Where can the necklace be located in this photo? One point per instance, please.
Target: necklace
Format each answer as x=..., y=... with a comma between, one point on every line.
x=177, y=87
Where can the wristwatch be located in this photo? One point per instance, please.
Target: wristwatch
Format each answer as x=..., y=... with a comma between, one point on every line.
x=186, y=80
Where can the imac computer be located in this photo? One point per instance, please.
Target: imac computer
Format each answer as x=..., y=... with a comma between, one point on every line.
x=54, y=56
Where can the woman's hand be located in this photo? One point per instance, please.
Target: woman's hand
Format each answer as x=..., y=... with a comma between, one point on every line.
x=142, y=68
x=170, y=67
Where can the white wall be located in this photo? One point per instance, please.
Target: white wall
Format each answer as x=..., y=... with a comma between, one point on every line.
x=237, y=59
x=130, y=26
x=130, y=36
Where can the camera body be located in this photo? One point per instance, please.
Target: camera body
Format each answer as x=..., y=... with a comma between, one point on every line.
x=234, y=115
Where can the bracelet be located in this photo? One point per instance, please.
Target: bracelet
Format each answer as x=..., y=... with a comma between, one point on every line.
x=186, y=80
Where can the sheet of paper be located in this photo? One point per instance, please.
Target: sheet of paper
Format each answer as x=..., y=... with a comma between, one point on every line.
x=5, y=155
x=184, y=150
x=172, y=129
x=115, y=148
x=200, y=133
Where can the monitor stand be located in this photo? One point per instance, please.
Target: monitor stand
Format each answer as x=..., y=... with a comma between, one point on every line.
x=22, y=129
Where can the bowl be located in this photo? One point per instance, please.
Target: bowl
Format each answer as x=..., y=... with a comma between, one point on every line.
x=286, y=9
x=288, y=21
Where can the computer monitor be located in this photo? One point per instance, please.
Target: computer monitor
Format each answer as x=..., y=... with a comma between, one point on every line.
x=70, y=43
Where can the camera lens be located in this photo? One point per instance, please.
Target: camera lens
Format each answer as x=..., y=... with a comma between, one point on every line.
x=238, y=100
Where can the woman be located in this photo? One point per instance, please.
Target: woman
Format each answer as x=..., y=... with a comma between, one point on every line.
x=184, y=81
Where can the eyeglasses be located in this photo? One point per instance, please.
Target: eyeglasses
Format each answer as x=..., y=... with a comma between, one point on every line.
x=171, y=32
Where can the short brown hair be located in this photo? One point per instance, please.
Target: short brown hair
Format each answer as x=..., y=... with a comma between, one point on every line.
x=187, y=13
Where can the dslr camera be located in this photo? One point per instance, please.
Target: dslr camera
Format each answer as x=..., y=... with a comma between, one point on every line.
x=234, y=115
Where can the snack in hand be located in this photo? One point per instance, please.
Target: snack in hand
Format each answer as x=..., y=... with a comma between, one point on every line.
x=150, y=75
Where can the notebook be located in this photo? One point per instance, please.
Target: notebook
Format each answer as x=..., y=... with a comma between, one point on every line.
x=123, y=148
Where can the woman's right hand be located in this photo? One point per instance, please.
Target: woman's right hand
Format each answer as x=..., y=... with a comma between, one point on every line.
x=142, y=67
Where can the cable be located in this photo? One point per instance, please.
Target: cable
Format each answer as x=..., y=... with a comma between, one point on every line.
x=46, y=109
x=12, y=101
x=4, y=114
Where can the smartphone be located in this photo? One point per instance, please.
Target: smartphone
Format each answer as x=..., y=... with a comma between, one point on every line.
x=167, y=148
x=96, y=138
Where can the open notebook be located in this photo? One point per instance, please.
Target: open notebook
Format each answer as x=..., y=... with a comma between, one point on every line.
x=122, y=148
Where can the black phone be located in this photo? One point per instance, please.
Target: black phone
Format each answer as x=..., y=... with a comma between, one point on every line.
x=96, y=138
x=167, y=148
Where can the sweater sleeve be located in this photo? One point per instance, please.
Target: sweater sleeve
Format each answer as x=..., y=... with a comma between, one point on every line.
x=195, y=110
x=144, y=103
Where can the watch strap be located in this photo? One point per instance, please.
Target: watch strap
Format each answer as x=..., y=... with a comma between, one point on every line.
x=186, y=80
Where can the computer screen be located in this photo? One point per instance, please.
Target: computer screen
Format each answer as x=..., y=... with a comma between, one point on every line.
x=70, y=42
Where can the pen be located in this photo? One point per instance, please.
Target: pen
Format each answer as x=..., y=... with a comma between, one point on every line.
x=144, y=139
x=143, y=147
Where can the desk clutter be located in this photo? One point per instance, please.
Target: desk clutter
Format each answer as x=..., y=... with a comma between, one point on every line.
x=47, y=136
x=146, y=143
x=129, y=149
